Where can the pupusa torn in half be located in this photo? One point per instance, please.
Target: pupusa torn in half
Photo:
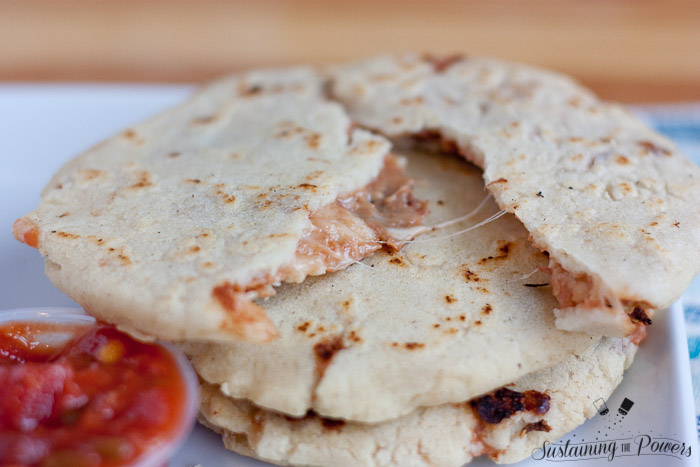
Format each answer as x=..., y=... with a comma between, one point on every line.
x=452, y=315
x=614, y=204
x=174, y=227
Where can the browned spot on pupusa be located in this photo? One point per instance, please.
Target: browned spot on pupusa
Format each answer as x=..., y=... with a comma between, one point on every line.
x=649, y=147
x=450, y=298
x=354, y=337
x=397, y=261
x=303, y=327
x=497, y=182
x=64, y=214
x=469, y=275
x=504, y=249
x=117, y=255
x=536, y=426
x=308, y=186
x=143, y=180
x=486, y=309
x=325, y=350
x=225, y=197
x=313, y=140
x=194, y=181
x=66, y=235
x=88, y=175
x=413, y=345
x=621, y=160
x=96, y=240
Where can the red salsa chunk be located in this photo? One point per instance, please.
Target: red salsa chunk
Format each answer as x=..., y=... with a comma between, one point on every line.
x=104, y=399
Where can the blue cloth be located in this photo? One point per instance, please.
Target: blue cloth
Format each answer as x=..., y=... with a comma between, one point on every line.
x=681, y=123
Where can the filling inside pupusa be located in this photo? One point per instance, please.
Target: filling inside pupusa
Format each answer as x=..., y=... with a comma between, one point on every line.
x=588, y=305
x=383, y=214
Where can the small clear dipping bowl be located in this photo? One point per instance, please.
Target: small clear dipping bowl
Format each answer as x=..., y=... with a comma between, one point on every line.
x=74, y=319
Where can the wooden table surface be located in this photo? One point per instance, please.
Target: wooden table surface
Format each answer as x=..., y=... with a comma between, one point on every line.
x=627, y=50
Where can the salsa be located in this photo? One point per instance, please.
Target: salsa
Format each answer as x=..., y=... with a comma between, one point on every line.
x=102, y=399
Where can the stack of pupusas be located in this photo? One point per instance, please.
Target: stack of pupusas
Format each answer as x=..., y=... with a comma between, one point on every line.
x=445, y=319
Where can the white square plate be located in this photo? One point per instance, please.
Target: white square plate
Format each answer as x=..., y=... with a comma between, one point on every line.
x=41, y=127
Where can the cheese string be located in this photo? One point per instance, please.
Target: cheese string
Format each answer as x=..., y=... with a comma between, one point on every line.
x=454, y=234
x=460, y=219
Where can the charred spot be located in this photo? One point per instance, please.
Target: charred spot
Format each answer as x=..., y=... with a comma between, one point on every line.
x=174, y=154
x=677, y=224
x=129, y=134
x=450, y=299
x=193, y=180
x=440, y=202
x=504, y=249
x=195, y=249
x=537, y=426
x=535, y=401
x=436, y=325
x=486, y=309
x=539, y=194
x=537, y=285
x=441, y=64
x=462, y=317
x=414, y=345
x=503, y=403
x=477, y=322
x=327, y=348
x=639, y=315
x=308, y=186
x=64, y=214
x=332, y=424
x=470, y=276
x=396, y=260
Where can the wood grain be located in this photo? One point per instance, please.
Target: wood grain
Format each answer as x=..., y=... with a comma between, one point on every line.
x=628, y=50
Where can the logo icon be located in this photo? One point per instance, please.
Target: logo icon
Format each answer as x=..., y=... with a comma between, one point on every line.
x=601, y=406
x=625, y=406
